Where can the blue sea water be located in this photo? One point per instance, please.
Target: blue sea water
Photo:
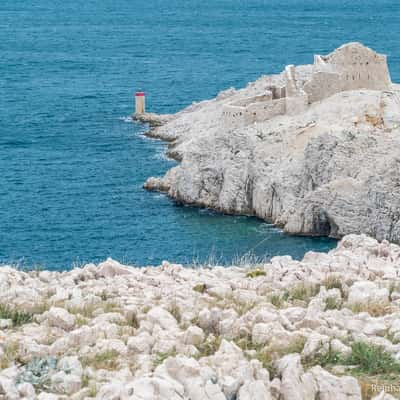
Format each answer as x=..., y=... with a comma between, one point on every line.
x=72, y=165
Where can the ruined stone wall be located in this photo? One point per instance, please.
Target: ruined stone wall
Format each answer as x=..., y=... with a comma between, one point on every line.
x=360, y=67
x=233, y=116
x=323, y=85
x=350, y=67
x=266, y=110
x=243, y=112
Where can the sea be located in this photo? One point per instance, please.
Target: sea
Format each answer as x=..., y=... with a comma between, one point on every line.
x=72, y=162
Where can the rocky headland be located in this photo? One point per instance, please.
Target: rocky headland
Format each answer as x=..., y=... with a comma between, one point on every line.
x=324, y=328
x=314, y=149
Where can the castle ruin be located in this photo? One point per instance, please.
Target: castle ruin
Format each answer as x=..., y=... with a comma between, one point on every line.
x=352, y=66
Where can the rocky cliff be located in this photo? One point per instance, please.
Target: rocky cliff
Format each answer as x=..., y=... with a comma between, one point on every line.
x=331, y=169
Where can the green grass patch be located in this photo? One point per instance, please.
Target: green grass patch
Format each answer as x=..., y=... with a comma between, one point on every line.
x=326, y=359
x=209, y=347
x=372, y=360
x=162, y=356
x=332, y=303
x=18, y=317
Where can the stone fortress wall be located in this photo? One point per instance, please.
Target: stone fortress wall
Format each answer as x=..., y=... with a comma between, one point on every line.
x=350, y=67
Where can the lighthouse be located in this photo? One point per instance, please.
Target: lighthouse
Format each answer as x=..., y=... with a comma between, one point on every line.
x=140, y=103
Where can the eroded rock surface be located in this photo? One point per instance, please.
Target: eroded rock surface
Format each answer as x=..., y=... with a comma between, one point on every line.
x=317, y=167
x=291, y=331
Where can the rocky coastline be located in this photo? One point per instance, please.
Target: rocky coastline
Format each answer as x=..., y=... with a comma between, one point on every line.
x=322, y=159
x=329, y=167
x=326, y=327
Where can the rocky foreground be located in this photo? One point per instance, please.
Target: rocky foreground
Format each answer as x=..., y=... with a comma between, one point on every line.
x=331, y=170
x=326, y=328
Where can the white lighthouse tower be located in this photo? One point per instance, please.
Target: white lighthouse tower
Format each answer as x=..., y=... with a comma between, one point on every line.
x=140, y=103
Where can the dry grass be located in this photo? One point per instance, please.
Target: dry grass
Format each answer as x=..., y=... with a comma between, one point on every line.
x=303, y=292
x=279, y=300
x=110, y=306
x=86, y=311
x=374, y=309
x=105, y=360
x=132, y=320
x=334, y=282
x=10, y=356
x=175, y=311
x=209, y=346
x=255, y=273
x=332, y=303
x=200, y=288
x=267, y=355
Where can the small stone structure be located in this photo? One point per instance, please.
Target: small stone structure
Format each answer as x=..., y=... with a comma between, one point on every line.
x=352, y=66
x=140, y=103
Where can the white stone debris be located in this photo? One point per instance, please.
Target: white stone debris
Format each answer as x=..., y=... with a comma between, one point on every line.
x=174, y=333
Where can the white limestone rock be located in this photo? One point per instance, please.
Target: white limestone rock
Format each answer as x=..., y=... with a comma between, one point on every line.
x=364, y=292
x=295, y=384
x=60, y=318
x=8, y=389
x=340, y=347
x=316, y=344
x=310, y=149
x=200, y=357
x=193, y=335
x=47, y=396
x=384, y=396
x=26, y=391
x=254, y=391
x=262, y=333
x=111, y=268
x=330, y=387
x=64, y=383
x=70, y=365
x=163, y=318
x=141, y=343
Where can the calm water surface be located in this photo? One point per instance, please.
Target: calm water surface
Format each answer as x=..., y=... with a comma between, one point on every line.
x=72, y=167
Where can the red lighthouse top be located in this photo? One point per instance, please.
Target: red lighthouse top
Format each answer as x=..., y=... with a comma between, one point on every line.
x=139, y=94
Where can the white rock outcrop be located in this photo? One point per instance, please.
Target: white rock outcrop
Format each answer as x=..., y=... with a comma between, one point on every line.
x=313, y=149
x=167, y=333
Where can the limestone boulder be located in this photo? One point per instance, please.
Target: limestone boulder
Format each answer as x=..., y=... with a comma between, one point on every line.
x=365, y=291
x=330, y=387
x=60, y=318
x=163, y=318
x=254, y=391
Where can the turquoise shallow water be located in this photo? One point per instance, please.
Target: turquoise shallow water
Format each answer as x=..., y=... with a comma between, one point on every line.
x=72, y=167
